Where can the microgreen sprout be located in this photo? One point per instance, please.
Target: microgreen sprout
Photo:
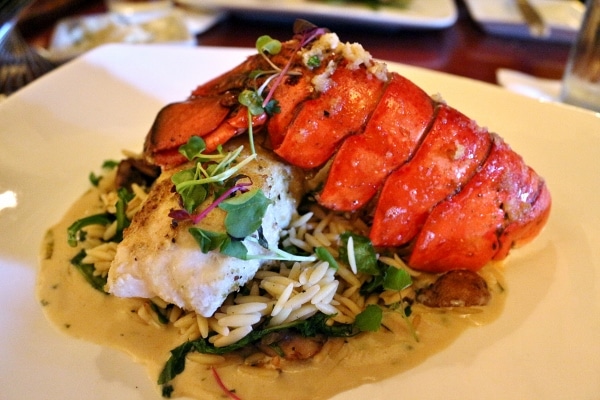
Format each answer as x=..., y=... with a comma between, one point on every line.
x=278, y=254
x=369, y=319
x=212, y=174
x=196, y=218
x=229, y=393
x=305, y=32
x=266, y=44
x=324, y=255
x=253, y=100
x=216, y=172
x=218, y=175
x=405, y=312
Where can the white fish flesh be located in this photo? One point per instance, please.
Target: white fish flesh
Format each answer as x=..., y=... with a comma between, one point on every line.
x=156, y=258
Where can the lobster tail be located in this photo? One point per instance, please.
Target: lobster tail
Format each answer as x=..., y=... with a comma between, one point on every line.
x=447, y=158
x=453, y=194
x=320, y=124
x=499, y=206
x=389, y=139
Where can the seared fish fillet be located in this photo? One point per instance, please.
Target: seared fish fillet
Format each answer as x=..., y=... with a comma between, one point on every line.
x=158, y=259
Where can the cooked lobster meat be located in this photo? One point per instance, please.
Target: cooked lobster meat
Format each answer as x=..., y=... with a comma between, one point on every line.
x=449, y=193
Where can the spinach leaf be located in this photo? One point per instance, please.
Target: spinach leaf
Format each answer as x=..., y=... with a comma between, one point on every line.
x=87, y=270
x=310, y=327
x=74, y=230
x=176, y=363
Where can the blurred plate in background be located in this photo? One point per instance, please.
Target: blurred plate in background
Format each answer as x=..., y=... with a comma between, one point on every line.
x=502, y=17
x=421, y=14
x=76, y=35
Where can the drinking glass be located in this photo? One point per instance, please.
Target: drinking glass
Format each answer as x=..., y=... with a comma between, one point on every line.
x=581, y=80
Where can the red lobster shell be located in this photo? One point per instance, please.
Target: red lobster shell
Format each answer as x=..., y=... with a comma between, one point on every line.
x=454, y=195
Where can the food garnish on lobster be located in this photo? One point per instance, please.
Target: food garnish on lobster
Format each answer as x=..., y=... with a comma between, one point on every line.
x=447, y=192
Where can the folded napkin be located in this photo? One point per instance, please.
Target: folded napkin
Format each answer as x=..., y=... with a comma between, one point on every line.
x=519, y=82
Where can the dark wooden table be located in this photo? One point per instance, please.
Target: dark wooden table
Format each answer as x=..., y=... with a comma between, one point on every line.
x=462, y=49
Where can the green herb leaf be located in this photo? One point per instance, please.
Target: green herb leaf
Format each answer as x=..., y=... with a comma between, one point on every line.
x=313, y=62
x=272, y=107
x=372, y=286
x=106, y=165
x=167, y=391
x=162, y=317
x=176, y=363
x=209, y=240
x=110, y=164
x=309, y=328
x=74, y=230
x=183, y=176
x=245, y=212
x=208, y=176
x=123, y=222
x=220, y=241
x=193, y=196
x=396, y=279
x=324, y=255
x=253, y=100
x=267, y=44
x=318, y=325
x=94, y=179
x=364, y=253
x=369, y=319
x=235, y=248
x=193, y=148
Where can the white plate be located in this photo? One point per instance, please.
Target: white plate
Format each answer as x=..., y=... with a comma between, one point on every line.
x=75, y=35
x=428, y=14
x=55, y=131
x=502, y=17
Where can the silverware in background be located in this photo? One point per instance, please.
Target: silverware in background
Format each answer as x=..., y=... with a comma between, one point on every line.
x=535, y=22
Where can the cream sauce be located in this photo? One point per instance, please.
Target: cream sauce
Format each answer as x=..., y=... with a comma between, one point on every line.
x=77, y=309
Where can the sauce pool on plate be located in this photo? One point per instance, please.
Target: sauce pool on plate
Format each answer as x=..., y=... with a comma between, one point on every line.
x=79, y=310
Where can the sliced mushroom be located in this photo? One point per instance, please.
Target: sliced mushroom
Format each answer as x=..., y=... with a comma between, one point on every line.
x=458, y=288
